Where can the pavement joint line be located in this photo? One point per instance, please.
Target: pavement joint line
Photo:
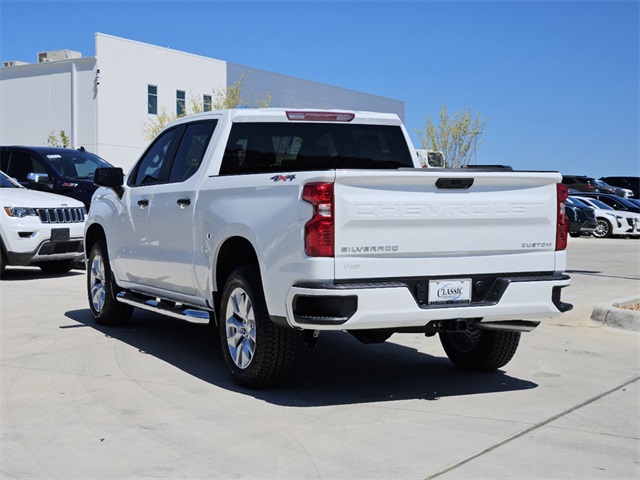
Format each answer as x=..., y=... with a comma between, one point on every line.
x=530, y=429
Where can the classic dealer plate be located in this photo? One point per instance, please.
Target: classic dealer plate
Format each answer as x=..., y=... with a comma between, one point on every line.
x=450, y=291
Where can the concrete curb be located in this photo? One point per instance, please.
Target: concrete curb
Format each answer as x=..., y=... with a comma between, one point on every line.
x=613, y=316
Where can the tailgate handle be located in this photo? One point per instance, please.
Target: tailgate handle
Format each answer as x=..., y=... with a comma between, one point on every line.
x=451, y=183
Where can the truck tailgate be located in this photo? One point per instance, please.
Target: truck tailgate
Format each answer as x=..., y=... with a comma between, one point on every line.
x=413, y=223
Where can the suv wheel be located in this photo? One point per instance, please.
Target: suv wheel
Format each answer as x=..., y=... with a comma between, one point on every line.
x=3, y=262
x=106, y=310
x=258, y=353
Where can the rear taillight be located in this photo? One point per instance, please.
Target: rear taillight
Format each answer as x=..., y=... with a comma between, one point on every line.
x=319, y=231
x=562, y=225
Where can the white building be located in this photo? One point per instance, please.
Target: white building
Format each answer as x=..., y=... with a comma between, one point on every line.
x=104, y=102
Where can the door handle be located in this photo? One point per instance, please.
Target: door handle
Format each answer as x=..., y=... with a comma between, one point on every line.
x=143, y=203
x=454, y=183
x=184, y=202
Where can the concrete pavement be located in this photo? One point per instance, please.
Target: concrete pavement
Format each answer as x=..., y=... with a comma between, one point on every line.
x=153, y=399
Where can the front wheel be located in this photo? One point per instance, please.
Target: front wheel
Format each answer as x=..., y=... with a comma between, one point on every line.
x=475, y=349
x=603, y=230
x=257, y=352
x=106, y=310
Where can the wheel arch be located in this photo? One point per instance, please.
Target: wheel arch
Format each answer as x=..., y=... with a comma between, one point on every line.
x=94, y=233
x=233, y=253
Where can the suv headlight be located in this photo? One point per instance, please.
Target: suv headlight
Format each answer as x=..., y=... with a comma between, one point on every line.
x=19, y=211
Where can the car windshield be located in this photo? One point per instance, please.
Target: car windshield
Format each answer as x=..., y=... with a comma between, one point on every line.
x=76, y=163
x=600, y=183
x=574, y=202
x=597, y=204
x=6, y=182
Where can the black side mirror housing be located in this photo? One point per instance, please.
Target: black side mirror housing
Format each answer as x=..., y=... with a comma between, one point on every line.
x=109, y=177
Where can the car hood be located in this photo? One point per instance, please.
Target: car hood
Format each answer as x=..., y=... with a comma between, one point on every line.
x=22, y=197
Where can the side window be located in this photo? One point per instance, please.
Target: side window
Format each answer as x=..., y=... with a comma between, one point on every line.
x=21, y=164
x=149, y=167
x=4, y=160
x=191, y=150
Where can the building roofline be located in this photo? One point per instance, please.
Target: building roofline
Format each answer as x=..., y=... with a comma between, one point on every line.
x=150, y=45
x=27, y=66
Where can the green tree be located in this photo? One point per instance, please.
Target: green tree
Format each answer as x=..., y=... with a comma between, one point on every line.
x=60, y=140
x=457, y=136
x=223, y=98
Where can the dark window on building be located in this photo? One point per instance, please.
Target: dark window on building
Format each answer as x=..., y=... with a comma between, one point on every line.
x=181, y=105
x=152, y=99
x=206, y=103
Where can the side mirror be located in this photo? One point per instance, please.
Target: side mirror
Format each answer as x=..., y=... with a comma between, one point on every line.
x=37, y=177
x=109, y=177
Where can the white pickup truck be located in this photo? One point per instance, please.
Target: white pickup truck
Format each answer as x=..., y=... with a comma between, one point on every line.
x=276, y=225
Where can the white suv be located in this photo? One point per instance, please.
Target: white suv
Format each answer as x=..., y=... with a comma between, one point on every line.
x=41, y=229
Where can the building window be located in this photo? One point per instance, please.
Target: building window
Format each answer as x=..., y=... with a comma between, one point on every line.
x=206, y=103
x=152, y=99
x=181, y=105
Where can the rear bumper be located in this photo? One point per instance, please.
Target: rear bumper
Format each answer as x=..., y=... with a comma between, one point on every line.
x=402, y=304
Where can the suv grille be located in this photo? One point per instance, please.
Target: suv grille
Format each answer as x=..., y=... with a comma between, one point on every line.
x=61, y=215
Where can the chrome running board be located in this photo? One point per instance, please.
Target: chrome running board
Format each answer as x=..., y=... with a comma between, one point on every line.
x=179, y=311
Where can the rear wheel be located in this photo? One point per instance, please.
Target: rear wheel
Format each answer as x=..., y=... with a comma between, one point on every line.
x=3, y=262
x=475, y=349
x=106, y=310
x=56, y=266
x=258, y=353
x=603, y=230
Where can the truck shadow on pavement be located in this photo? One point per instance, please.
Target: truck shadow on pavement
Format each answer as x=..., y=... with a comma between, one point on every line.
x=339, y=371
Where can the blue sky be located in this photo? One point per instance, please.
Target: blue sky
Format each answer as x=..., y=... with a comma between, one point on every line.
x=557, y=81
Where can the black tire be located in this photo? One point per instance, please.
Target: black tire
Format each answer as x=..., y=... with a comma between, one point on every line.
x=101, y=289
x=3, y=262
x=258, y=353
x=603, y=230
x=479, y=350
x=574, y=234
x=56, y=266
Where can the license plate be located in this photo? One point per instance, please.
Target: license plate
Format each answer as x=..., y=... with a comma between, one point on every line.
x=450, y=291
x=59, y=234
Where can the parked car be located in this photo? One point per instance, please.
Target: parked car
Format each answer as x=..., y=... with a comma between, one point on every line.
x=582, y=219
x=611, y=222
x=63, y=171
x=604, y=187
x=614, y=201
x=41, y=229
x=580, y=183
x=631, y=183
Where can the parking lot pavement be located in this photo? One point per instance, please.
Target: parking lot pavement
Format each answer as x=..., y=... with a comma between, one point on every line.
x=153, y=399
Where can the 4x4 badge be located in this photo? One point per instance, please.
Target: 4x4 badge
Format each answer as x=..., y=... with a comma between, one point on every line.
x=283, y=178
